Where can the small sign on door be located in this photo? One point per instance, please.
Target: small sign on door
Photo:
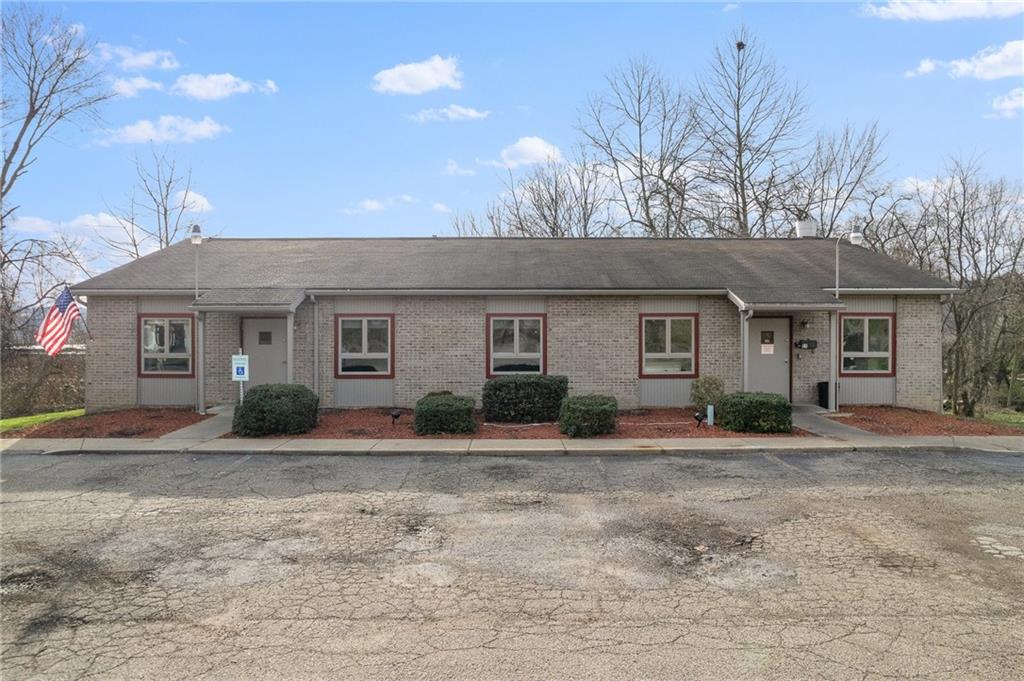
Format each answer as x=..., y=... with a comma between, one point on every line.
x=767, y=342
x=239, y=367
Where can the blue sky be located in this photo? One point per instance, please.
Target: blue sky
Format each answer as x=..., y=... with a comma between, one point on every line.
x=321, y=152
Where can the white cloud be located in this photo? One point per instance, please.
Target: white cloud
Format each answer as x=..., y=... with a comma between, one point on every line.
x=730, y=7
x=452, y=168
x=373, y=205
x=1009, y=105
x=193, y=201
x=452, y=112
x=526, y=151
x=991, y=63
x=943, y=10
x=420, y=77
x=924, y=67
x=130, y=59
x=440, y=208
x=84, y=223
x=214, y=86
x=166, y=130
x=131, y=87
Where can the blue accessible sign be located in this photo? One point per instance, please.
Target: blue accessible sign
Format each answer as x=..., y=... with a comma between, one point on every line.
x=240, y=367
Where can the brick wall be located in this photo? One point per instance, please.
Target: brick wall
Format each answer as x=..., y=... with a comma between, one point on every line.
x=594, y=340
x=439, y=345
x=919, y=352
x=810, y=366
x=719, y=341
x=110, y=360
x=222, y=337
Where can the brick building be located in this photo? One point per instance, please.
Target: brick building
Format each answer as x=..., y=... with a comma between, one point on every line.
x=381, y=322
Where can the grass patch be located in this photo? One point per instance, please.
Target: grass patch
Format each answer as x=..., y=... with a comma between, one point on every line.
x=19, y=422
x=1006, y=417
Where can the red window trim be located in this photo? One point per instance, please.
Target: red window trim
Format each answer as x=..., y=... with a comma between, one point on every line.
x=696, y=343
x=191, y=316
x=516, y=315
x=337, y=349
x=892, y=345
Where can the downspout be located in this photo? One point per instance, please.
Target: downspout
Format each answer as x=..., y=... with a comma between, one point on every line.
x=745, y=315
x=316, y=346
x=833, y=361
x=201, y=364
x=290, y=338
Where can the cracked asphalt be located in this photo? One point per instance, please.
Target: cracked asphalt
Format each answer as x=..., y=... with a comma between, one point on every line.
x=721, y=566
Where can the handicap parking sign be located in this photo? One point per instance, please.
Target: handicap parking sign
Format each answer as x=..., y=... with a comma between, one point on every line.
x=240, y=367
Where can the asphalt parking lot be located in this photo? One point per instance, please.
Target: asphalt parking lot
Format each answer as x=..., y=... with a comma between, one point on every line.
x=725, y=566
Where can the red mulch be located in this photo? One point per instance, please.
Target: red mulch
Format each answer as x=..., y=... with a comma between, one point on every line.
x=645, y=423
x=124, y=423
x=900, y=421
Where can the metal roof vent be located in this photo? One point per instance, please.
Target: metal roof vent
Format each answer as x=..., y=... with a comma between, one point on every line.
x=806, y=228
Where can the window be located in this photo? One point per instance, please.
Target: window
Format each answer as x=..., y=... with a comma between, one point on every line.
x=265, y=338
x=668, y=345
x=165, y=346
x=515, y=345
x=867, y=345
x=364, y=346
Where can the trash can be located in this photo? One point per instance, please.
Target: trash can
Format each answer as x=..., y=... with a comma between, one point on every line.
x=823, y=394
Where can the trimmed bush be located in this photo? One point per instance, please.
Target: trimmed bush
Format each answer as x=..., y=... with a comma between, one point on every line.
x=588, y=415
x=755, y=413
x=276, y=409
x=707, y=390
x=524, y=398
x=436, y=414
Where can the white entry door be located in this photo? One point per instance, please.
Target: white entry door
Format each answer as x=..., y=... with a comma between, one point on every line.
x=265, y=342
x=768, y=355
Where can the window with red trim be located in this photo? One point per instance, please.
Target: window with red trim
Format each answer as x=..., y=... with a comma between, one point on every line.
x=364, y=346
x=867, y=345
x=165, y=346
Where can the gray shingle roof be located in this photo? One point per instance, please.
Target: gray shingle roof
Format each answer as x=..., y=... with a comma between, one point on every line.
x=513, y=264
x=249, y=297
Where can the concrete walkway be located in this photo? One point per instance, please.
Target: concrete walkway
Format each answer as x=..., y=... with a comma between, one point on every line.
x=217, y=425
x=811, y=417
x=218, y=445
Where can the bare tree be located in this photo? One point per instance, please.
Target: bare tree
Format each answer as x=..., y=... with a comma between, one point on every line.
x=751, y=121
x=642, y=133
x=554, y=199
x=156, y=211
x=48, y=80
x=840, y=180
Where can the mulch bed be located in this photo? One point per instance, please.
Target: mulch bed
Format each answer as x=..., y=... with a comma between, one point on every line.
x=375, y=424
x=900, y=421
x=124, y=423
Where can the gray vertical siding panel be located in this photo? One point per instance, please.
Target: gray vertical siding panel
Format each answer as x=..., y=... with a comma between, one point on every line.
x=359, y=304
x=668, y=304
x=148, y=304
x=511, y=304
x=665, y=392
x=166, y=392
x=869, y=303
x=364, y=392
x=867, y=390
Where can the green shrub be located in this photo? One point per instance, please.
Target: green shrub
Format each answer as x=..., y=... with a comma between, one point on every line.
x=755, y=413
x=524, y=398
x=588, y=415
x=436, y=414
x=707, y=390
x=276, y=409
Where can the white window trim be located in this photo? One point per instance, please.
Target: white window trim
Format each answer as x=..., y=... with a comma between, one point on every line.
x=668, y=344
x=516, y=354
x=149, y=354
x=865, y=352
x=342, y=355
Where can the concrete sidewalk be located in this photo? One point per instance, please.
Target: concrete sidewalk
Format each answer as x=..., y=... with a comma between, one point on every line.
x=218, y=445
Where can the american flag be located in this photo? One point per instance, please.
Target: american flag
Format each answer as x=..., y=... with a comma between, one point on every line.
x=53, y=333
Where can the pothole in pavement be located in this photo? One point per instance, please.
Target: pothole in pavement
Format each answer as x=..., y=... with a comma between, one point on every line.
x=506, y=472
x=510, y=501
x=25, y=580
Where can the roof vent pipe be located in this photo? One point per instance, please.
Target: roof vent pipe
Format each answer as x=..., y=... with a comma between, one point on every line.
x=806, y=228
